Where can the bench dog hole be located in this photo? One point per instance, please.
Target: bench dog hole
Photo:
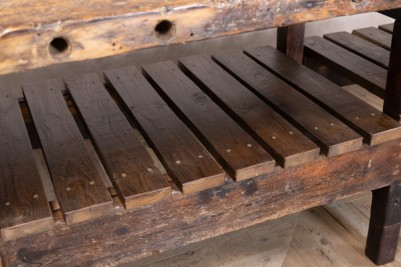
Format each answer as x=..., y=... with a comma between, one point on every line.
x=59, y=47
x=164, y=29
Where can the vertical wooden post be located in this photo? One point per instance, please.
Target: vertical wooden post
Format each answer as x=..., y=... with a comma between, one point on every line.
x=392, y=98
x=385, y=215
x=290, y=40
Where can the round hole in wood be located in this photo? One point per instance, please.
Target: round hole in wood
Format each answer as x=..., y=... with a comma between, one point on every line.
x=165, y=29
x=59, y=47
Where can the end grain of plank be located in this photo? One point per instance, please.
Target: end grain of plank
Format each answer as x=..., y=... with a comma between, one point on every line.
x=187, y=162
x=80, y=190
x=138, y=181
x=246, y=158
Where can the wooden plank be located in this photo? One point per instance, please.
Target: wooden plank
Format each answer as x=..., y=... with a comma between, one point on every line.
x=387, y=27
x=189, y=218
x=352, y=66
x=333, y=136
x=361, y=47
x=80, y=190
x=24, y=207
x=374, y=126
x=365, y=95
x=138, y=181
x=187, y=162
x=392, y=99
x=290, y=41
x=284, y=141
x=82, y=32
x=376, y=36
x=241, y=155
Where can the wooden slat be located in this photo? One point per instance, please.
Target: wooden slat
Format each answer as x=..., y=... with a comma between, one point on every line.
x=139, y=182
x=333, y=136
x=185, y=159
x=279, y=137
x=354, y=67
x=374, y=126
x=361, y=47
x=80, y=190
x=387, y=27
x=24, y=208
x=376, y=36
x=241, y=156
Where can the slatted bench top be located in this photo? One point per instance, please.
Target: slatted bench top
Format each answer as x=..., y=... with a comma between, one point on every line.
x=232, y=116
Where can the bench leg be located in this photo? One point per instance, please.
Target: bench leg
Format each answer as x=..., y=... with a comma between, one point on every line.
x=290, y=40
x=384, y=225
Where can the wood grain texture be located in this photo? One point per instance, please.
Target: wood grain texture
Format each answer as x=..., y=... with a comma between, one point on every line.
x=290, y=41
x=24, y=208
x=79, y=188
x=239, y=153
x=185, y=159
x=392, y=98
x=333, y=136
x=28, y=27
x=137, y=179
x=352, y=66
x=376, y=36
x=387, y=27
x=188, y=218
x=284, y=141
x=361, y=47
x=374, y=126
x=384, y=225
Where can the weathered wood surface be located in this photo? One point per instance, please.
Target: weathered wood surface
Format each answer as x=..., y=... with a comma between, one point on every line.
x=137, y=179
x=361, y=47
x=189, y=218
x=376, y=36
x=290, y=41
x=332, y=135
x=28, y=28
x=354, y=67
x=78, y=185
x=239, y=153
x=24, y=208
x=186, y=160
x=283, y=140
x=387, y=27
x=392, y=98
x=374, y=126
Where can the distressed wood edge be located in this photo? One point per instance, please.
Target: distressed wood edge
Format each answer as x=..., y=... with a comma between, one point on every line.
x=186, y=219
x=28, y=48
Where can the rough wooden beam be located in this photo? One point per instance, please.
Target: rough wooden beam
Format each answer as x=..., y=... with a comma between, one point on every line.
x=290, y=40
x=185, y=219
x=39, y=33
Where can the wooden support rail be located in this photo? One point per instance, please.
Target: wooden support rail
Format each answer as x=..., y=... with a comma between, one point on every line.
x=40, y=33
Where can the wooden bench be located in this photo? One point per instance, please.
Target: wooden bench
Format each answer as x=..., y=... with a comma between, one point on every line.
x=104, y=170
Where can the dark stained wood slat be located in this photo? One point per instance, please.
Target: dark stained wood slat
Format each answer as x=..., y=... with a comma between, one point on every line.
x=333, y=136
x=374, y=126
x=361, y=47
x=24, y=208
x=139, y=182
x=79, y=188
x=241, y=155
x=387, y=27
x=376, y=36
x=186, y=160
x=278, y=136
x=354, y=67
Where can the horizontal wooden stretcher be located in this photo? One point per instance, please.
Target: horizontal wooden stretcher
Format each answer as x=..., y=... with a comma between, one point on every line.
x=105, y=170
